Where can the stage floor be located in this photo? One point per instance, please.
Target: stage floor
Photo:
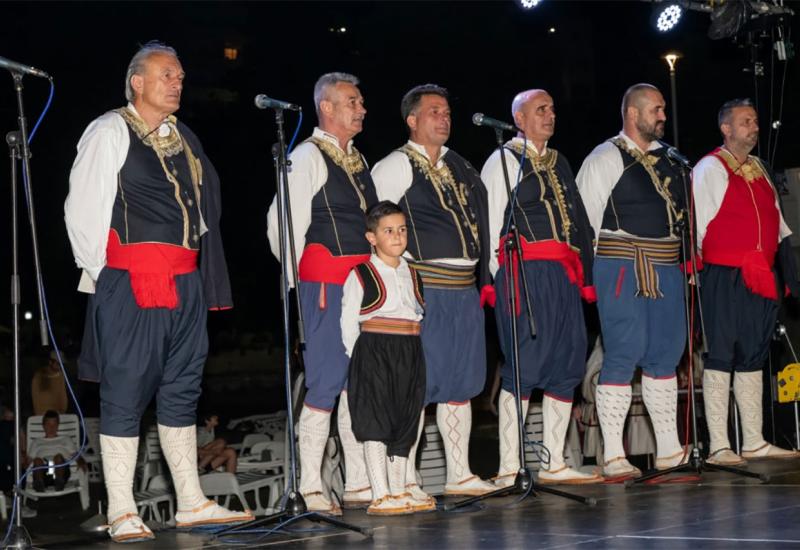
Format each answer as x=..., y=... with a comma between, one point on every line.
x=719, y=511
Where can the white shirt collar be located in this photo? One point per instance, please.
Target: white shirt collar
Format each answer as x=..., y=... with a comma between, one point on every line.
x=522, y=142
x=163, y=130
x=380, y=264
x=322, y=134
x=421, y=150
x=653, y=144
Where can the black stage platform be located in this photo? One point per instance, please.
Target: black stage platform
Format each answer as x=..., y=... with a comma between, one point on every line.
x=721, y=511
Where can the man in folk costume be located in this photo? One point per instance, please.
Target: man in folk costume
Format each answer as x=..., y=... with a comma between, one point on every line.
x=556, y=241
x=747, y=260
x=445, y=205
x=330, y=189
x=143, y=205
x=635, y=201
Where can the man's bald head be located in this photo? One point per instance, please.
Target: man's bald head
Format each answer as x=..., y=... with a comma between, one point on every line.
x=636, y=95
x=522, y=98
x=534, y=114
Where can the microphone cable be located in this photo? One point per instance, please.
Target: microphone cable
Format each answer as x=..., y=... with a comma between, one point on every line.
x=84, y=439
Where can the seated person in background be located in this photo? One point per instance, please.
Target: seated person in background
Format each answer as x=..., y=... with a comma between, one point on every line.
x=48, y=388
x=55, y=448
x=213, y=452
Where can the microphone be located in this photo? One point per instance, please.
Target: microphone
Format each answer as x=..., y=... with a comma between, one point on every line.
x=479, y=119
x=677, y=156
x=264, y=102
x=15, y=67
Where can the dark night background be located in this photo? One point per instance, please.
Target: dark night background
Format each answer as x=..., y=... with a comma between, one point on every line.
x=484, y=52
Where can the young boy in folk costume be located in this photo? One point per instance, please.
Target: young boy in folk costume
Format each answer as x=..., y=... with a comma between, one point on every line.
x=382, y=307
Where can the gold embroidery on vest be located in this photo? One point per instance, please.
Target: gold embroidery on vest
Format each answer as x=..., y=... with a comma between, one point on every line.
x=750, y=170
x=164, y=147
x=546, y=164
x=352, y=164
x=442, y=179
x=648, y=162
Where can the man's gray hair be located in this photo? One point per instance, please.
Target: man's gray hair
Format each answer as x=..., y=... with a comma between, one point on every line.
x=724, y=115
x=634, y=94
x=327, y=81
x=136, y=66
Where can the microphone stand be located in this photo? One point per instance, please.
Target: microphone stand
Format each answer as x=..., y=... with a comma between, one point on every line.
x=523, y=482
x=696, y=462
x=18, y=536
x=294, y=505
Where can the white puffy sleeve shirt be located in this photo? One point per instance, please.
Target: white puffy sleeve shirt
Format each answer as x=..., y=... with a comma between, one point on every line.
x=307, y=174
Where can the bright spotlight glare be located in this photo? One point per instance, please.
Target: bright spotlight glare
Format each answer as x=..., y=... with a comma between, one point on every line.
x=528, y=4
x=669, y=17
x=28, y=315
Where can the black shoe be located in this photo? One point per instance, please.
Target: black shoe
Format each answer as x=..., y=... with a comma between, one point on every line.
x=38, y=485
x=60, y=483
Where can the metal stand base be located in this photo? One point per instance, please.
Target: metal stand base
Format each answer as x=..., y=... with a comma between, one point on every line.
x=19, y=537
x=696, y=464
x=294, y=510
x=525, y=485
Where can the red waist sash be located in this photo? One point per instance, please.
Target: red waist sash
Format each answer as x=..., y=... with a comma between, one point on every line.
x=549, y=250
x=756, y=269
x=152, y=268
x=318, y=265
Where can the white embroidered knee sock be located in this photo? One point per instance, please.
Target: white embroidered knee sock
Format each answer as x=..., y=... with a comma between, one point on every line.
x=612, y=404
x=119, y=466
x=180, y=449
x=660, y=396
x=716, y=399
x=354, y=467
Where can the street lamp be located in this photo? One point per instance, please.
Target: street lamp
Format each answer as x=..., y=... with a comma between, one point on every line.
x=672, y=59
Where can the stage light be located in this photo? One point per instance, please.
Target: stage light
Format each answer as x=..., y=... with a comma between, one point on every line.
x=528, y=4
x=551, y=30
x=28, y=315
x=668, y=17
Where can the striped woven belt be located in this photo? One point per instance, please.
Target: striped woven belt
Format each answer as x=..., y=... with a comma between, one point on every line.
x=445, y=276
x=384, y=325
x=646, y=254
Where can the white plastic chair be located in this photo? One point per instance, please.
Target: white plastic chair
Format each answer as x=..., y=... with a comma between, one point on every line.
x=250, y=440
x=159, y=490
x=432, y=465
x=222, y=484
x=151, y=460
x=264, y=456
x=91, y=454
x=79, y=480
x=255, y=481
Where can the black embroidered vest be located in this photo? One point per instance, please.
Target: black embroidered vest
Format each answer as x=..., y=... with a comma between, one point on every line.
x=648, y=196
x=545, y=206
x=338, y=209
x=375, y=290
x=441, y=208
x=158, y=191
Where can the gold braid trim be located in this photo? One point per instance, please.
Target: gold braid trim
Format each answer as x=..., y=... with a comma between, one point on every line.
x=750, y=170
x=167, y=146
x=164, y=147
x=649, y=161
x=352, y=164
x=442, y=179
x=547, y=163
